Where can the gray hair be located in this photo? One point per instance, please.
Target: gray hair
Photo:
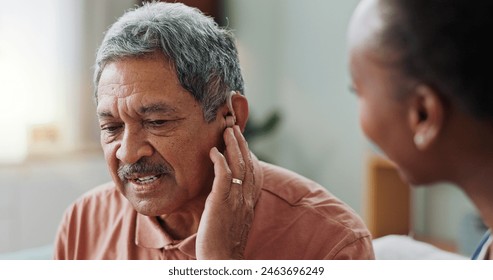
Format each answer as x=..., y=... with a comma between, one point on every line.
x=203, y=54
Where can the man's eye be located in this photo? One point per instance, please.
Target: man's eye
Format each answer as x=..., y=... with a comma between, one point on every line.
x=110, y=129
x=157, y=123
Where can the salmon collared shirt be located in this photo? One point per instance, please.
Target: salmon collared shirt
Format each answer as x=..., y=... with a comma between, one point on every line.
x=295, y=218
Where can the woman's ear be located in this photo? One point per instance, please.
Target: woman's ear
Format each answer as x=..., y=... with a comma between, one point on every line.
x=426, y=116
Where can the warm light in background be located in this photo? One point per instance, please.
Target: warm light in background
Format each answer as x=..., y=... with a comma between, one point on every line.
x=30, y=72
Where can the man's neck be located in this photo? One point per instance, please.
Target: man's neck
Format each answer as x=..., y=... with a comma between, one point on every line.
x=185, y=221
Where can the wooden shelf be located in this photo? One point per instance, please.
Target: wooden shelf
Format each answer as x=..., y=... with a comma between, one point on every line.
x=388, y=199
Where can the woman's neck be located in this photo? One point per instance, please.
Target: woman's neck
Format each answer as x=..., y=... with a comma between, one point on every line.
x=478, y=185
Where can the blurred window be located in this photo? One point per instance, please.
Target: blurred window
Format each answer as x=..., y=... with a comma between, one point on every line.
x=34, y=67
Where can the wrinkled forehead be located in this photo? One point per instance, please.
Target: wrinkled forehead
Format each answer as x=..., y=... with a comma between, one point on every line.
x=140, y=84
x=133, y=66
x=133, y=74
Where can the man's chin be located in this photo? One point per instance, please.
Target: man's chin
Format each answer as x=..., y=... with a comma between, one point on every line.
x=148, y=210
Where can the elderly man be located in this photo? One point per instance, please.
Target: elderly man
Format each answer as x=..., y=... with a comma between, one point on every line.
x=171, y=109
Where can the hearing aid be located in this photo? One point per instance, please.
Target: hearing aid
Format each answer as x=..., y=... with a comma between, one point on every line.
x=230, y=118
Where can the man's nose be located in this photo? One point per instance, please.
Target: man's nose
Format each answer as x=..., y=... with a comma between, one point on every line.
x=133, y=147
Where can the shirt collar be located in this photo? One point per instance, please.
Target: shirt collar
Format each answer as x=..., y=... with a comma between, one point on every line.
x=149, y=234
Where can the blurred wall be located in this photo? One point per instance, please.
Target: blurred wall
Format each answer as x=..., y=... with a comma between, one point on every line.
x=34, y=195
x=293, y=55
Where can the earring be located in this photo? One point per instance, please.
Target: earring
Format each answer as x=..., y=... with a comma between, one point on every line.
x=419, y=140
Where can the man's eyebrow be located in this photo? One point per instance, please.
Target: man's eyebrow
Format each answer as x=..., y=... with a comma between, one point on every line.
x=105, y=114
x=156, y=108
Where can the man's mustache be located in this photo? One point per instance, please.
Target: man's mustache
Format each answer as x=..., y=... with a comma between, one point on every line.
x=142, y=166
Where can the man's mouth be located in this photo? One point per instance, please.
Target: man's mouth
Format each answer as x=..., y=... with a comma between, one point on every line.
x=144, y=180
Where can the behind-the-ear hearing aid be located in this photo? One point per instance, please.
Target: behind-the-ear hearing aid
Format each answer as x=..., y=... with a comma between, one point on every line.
x=230, y=118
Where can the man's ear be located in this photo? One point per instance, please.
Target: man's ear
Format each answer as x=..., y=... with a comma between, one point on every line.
x=235, y=111
x=239, y=104
x=426, y=116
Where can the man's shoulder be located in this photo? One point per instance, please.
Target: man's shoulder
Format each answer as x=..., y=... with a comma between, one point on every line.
x=93, y=224
x=303, y=220
x=102, y=197
x=290, y=186
x=103, y=191
x=309, y=197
